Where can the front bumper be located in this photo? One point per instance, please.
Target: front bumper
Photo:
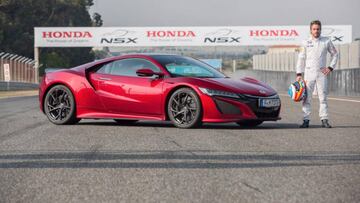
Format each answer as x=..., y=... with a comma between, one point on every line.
x=224, y=109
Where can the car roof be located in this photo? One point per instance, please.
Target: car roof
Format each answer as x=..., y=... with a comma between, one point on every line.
x=147, y=55
x=127, y=55
x=150, y=54
x=136, y=55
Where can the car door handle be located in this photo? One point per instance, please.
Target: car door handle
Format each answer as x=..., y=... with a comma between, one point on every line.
x=104, y=78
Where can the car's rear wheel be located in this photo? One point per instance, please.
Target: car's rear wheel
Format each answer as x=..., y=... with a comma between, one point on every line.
x=59, y=106
x=125, y=121
x=184, y=108
x=249, y=123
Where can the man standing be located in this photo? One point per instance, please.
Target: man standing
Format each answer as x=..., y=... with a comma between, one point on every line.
x=312, y=62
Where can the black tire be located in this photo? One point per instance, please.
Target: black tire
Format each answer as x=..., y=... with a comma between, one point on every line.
x=249, y=123
x=184, y=108
x=125, y=122
x=59, y=106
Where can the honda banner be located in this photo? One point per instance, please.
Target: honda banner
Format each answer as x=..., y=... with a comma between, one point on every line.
x=183, y=36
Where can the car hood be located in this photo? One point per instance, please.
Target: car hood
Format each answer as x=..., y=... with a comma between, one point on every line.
x=245, y=85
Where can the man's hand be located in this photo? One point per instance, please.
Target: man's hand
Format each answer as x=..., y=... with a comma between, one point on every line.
x=326, y=70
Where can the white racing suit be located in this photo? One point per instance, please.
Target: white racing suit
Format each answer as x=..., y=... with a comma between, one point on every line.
x=312, y=58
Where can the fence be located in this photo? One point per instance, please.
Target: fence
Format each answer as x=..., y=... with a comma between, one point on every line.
x=342, y=82
x=349, y=57
x=21, y=68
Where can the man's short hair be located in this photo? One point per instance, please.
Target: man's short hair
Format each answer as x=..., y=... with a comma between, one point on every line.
x=315, y=22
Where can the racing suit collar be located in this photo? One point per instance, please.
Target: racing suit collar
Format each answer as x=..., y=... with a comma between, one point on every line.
x=315, y=39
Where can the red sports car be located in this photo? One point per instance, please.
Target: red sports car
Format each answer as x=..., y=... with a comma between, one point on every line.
x=136, y=87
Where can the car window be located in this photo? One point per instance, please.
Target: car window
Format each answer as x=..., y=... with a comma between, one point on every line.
x=180, y=66
x=105, y=69
x=127, y=67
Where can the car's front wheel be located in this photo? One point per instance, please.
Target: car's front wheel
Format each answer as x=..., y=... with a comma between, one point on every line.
x=184, y=108
x=59, y=106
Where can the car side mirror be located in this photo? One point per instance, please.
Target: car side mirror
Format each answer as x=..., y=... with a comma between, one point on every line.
x=147, y=72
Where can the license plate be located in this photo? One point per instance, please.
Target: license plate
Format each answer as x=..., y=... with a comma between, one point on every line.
x=269, y=103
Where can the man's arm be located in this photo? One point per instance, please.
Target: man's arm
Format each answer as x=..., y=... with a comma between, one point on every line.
x=300, y=65
x=334, y=55
x=334, y=58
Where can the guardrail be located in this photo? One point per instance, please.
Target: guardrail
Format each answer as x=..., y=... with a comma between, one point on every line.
x=342, y=82
x=21, y=68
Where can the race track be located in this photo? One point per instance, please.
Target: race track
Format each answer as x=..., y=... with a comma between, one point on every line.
x=101, y=161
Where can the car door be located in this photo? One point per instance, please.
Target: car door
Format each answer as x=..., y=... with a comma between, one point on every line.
x=122, y=91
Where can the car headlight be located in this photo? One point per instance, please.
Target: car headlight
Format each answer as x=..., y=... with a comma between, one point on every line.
x=212, y=92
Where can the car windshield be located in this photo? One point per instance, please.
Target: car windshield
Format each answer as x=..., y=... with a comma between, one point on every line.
x=179, y=66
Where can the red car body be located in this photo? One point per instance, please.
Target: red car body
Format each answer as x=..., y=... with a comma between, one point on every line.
x=143, y=98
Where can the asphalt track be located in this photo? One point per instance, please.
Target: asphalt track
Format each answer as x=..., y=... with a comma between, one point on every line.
x=101, y=161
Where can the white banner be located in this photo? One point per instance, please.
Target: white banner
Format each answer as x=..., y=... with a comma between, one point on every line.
x=183, y=36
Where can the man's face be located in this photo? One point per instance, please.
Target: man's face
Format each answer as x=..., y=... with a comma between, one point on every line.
x=315, y=30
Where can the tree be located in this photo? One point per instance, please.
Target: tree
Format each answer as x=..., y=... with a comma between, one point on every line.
x=19, y=17
x=98, y=22
x=102, y=53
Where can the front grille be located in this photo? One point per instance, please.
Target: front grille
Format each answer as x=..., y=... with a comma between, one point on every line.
x=226, y=108
x=273, y=113
x=253, y=103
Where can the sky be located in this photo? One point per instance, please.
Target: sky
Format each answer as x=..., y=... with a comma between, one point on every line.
x=228, y=12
